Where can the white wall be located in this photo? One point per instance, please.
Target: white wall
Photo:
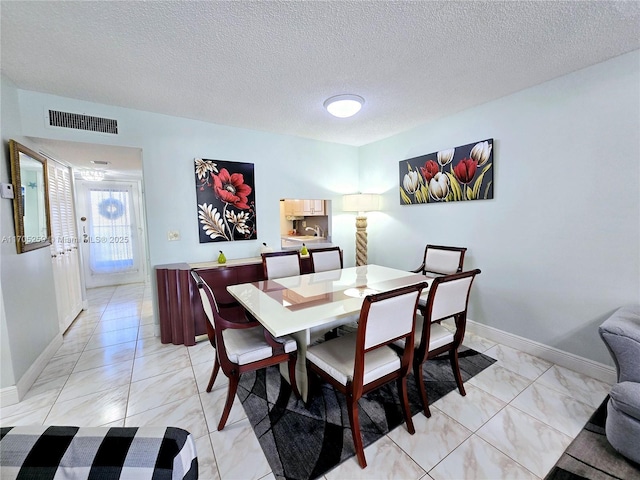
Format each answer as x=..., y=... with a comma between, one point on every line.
x=559, y=245
x=29, y=320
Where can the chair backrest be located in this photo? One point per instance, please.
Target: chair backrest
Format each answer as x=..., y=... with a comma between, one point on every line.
x=449, y=295
x=387, y=316
x=384, y=318
x=443, y=259
x=209, y=304
x=324, y=259
x=281, y=264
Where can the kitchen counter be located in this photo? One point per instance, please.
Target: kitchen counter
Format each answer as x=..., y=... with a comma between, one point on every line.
x=311, y=241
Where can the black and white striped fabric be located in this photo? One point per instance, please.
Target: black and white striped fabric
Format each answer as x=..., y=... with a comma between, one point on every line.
x=140, y=453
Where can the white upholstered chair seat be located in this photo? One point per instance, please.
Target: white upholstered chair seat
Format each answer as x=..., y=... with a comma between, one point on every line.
x=249, y=345
x=336, y=358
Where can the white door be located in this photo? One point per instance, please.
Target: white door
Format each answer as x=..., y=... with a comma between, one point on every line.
x=109, y=232
x=64, y=246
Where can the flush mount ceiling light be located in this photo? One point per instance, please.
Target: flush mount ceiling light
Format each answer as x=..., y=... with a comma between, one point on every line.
x=343, y=106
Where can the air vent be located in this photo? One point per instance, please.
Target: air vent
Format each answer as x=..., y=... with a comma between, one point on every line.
x=82, y=122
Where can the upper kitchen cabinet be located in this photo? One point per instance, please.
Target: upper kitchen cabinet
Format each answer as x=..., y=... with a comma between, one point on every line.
x=293, y=207
x=304, y=208
x=312, y=208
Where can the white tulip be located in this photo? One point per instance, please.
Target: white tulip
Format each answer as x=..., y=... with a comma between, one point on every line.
x=439, y=186
x=480, y=152
x=411, y=182
x=445, y=156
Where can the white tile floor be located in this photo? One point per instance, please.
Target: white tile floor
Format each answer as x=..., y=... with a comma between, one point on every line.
x=517, y=418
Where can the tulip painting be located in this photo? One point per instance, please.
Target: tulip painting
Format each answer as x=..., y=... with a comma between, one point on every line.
x=449, y=175
x=225, y=196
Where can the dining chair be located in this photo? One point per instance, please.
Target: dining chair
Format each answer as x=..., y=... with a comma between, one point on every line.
x=448, y=296
x=439, y=260
x=362, y=361
x=281, y=264
x=241, y=347
x=324, y=259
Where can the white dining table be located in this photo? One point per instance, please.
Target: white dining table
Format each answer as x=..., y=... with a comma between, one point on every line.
x=316, y=302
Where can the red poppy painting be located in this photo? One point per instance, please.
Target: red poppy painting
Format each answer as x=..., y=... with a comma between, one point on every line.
x=225, y=194
x=451, y=175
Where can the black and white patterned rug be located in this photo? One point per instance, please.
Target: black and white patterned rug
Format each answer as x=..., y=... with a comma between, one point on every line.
x=304, y=442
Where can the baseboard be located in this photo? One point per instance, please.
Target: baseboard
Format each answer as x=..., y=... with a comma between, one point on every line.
x=596, y=370
x=12, y=395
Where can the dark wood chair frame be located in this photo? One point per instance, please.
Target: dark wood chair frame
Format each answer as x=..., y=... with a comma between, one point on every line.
x=355, y=389
x=320, y=250
x=232, y=370
x=279, y=254
x=423, y=354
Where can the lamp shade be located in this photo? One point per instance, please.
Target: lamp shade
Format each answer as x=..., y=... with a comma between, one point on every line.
x=361, y=202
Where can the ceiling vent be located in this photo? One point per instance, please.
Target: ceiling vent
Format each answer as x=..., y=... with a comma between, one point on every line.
x=82, y=122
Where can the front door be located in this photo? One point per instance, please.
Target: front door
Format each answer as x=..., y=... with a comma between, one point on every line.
x=109, y=232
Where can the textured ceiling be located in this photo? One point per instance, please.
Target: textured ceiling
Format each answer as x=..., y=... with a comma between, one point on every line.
x=269, y=65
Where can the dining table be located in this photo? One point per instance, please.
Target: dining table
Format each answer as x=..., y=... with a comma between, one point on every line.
x=304, y=305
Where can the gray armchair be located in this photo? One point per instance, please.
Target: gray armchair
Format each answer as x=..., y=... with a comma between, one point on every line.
x=621, y=334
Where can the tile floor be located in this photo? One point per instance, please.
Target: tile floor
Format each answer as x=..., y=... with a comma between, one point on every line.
x=517, y=418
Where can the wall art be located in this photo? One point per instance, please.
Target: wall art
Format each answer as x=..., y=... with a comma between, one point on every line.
x=452, y=175
x=225, y=194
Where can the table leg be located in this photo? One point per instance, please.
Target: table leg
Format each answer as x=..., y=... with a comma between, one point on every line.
x=302, y=339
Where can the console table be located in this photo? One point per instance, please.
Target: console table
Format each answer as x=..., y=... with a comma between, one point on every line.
x=182, y=318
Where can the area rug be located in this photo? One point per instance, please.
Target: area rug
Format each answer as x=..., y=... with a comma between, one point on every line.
x=304, y=442
x=591, y=456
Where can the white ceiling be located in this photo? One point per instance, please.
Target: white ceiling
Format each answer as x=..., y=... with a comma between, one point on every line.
x=269, y=65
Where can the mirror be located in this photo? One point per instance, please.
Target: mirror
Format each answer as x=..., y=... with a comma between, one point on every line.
x=30, y=198
x=304, y=221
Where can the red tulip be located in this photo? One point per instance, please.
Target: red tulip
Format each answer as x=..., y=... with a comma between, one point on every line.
x=429, y=170
x=465, y=170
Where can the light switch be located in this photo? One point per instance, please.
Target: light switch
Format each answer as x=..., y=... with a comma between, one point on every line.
x=7, y=190
x=173, y=235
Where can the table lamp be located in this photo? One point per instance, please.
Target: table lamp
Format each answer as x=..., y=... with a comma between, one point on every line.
x=361, y=203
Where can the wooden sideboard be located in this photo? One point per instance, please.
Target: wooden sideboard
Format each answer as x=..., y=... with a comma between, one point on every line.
x=182, y=318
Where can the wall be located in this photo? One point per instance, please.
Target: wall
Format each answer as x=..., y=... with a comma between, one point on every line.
x=559, y=245
x=28, y=326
